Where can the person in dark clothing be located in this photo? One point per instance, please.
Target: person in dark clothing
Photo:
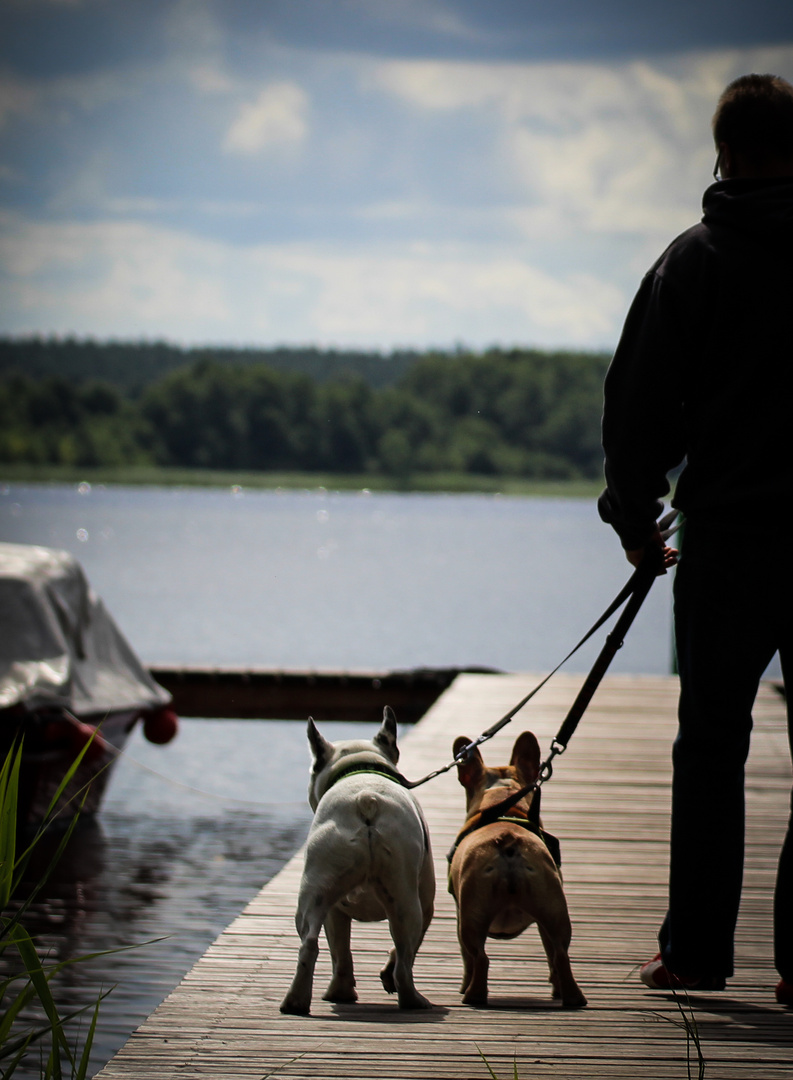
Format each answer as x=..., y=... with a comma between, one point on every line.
x=703, y=374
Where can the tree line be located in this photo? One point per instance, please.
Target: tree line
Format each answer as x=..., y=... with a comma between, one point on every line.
x=523, y=413
x=132, y=366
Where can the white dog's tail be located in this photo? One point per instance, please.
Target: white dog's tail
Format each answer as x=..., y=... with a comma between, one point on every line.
x=368, y=806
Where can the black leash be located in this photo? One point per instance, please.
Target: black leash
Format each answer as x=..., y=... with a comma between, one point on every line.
x=634, y=591
x=642, y=579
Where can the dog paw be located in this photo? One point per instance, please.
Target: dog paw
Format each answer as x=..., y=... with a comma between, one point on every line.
x=475, y=999
x=295, y=1008
x=414, y=1001
x=340, y=996
x=574, y=1002
x=387, y=979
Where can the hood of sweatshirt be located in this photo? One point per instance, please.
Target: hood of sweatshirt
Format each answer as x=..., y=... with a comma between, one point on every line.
x=762, y=209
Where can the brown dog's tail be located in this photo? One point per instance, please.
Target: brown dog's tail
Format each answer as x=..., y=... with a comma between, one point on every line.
x=368, y=806
x=510, y=850
x=507, y=844
x=515, y=876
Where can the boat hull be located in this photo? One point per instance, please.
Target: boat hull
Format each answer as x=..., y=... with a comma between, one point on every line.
x=50, y=746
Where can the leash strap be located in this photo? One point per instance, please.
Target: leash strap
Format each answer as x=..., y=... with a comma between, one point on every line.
x=495, y=728
x=634, y=591
x=643, y=579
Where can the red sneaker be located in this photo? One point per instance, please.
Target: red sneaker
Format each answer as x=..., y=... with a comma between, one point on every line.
x=784, y=993
x=656, y=976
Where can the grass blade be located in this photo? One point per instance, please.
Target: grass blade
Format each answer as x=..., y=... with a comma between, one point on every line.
x=82, y=1067
x=40, y=980
x=487, y=1063
x=9, y=800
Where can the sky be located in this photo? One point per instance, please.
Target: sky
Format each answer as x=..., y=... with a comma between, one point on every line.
x=375, y=174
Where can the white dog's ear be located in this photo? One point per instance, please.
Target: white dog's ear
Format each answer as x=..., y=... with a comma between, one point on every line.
x=320, y=747
x=526, y=757
x=386, y=738
x=470, y=771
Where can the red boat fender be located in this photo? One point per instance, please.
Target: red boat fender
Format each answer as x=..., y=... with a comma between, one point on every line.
x=161, y=725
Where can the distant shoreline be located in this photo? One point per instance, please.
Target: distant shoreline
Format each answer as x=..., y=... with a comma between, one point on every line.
x=151, y=476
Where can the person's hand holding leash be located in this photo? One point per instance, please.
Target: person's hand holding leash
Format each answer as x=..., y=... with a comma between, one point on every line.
x=635, y=555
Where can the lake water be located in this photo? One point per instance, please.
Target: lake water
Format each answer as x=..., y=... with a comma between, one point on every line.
x=341, y=581
x=189, y=832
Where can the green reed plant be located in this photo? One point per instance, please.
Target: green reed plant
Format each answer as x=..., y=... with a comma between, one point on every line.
x=30, y=986
x=490, y=1067
x=688, y=1023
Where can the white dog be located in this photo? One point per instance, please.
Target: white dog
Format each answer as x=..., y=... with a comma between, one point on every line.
x=368, y=858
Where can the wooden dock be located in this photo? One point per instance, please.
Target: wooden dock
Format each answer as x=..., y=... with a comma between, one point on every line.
x=608, y=802
x=262, y=694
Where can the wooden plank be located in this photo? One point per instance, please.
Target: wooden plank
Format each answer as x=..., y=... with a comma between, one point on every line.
x=608, y=802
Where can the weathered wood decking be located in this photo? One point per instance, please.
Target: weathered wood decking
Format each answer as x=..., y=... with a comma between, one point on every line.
x=608, y=802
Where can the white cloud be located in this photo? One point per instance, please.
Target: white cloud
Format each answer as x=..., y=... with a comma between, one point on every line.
x=623, y=148
x=442, y=85
x=209, y=78
x=431, y=201
x=277, y=116
x=442, y=295
x=111, y=279
x=565, y=93
x=127, y=279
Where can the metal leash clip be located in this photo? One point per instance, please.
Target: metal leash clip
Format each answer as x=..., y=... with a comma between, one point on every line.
x=546, y=769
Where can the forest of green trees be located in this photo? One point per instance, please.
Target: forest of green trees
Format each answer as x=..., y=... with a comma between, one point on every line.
x=522, y=413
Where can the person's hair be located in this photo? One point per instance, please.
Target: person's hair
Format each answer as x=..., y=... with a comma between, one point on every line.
x=754, y=117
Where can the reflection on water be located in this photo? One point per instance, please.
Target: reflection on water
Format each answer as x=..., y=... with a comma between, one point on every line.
x=165, y=861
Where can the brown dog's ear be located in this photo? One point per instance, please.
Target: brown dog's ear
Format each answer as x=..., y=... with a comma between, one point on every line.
x=470, y=771
x=386, y=738
x=320, y=747
x=526, y=757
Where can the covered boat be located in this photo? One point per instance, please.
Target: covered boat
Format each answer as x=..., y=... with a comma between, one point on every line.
x=67, y=676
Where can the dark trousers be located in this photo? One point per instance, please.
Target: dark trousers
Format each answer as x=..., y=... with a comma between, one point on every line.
x=733, y=611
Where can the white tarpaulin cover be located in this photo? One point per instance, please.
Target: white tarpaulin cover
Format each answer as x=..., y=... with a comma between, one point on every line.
x=58, y=644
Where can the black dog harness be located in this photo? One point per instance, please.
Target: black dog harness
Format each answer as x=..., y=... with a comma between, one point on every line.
x=501, y=812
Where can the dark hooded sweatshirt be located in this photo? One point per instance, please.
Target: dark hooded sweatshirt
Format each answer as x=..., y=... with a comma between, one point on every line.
x=704, y=372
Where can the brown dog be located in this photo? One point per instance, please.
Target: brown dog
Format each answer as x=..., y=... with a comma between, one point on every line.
x=503, y=876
